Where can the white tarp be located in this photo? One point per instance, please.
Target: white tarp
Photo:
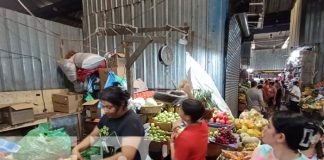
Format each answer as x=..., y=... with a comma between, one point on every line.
x=200, y=79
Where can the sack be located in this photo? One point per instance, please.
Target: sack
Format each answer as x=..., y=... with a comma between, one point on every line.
x=68, y=68
x=42, y=143
x=87, y=60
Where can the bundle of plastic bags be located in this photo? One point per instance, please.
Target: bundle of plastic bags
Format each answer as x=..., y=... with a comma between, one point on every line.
x=42, y=143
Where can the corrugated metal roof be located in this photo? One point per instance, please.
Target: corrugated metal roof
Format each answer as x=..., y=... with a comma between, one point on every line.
x=273, y=6
x=205, y=17
x=23, y=34
x=268, y=59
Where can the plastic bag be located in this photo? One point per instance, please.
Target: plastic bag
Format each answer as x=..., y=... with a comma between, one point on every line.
x=200, y=79
x=113, y=78
x=43, y=144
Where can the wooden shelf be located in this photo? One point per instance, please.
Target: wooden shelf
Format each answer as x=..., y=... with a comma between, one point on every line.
x=7, y=127
x=39, y=118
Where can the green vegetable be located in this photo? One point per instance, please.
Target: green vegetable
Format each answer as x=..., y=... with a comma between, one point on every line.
x=205, y=96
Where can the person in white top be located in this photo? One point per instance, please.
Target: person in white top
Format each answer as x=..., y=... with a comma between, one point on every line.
x=295, y=95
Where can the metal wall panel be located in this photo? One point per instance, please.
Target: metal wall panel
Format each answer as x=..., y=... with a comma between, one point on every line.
x=312, y=32
x=205, y=17
x=233, y=59
x=295, y=23
x=23, y=34
x=268, y=59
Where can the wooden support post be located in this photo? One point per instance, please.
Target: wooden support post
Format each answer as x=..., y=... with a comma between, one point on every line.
x=129, y=70
x=138, y=52
x=131, y=58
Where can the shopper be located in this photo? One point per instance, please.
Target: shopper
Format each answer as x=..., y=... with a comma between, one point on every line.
x=278, y=97
x=254, y=98
x=287, y=134
x=272, y=92
x=119, y=120
x=315, y=151
x=192, y=142
x=265, y=88
x=295, y=95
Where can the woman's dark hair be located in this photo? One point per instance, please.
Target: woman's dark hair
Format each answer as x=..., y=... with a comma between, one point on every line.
x=193, y=108
x=295, y=127
x=116, y=96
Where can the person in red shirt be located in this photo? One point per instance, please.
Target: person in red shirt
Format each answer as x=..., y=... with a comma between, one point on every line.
x=191, y=143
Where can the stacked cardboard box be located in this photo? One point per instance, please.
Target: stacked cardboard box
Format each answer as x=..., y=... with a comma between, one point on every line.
x=67, y=103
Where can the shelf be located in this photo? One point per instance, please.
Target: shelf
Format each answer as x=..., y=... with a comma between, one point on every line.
x=39, y=118
x=7, y=127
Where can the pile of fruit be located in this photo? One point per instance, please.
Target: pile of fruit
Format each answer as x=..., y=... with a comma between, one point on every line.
x=213, y=133
x=156, y=134
x=233, y=155
x=309, y=102
x=222, y=118
x=251, y=122
x=166, y=117
x=249, y=143
x=225, y=136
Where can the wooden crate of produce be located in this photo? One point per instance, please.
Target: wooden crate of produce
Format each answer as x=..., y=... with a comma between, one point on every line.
x=152, y=109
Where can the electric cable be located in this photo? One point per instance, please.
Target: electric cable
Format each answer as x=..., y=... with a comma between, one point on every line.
x=41, y=70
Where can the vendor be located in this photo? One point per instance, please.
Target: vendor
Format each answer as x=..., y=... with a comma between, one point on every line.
x=119, y=120
x=191, y=143
x=316, y=95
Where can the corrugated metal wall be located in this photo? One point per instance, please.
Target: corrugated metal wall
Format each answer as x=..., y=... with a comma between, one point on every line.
x=312, y=32
x=268, y=59
x=205, y=17
x=233, y=60
x=23, y=34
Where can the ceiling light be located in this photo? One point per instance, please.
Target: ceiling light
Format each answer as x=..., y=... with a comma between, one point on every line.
x=183, y=40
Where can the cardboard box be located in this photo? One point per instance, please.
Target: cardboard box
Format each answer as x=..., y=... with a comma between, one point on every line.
x=164, y=126
x=103, y=74
x=17, y=113
x=67, y=103
x=91, y=109
x=116, y=60
x=139, y=86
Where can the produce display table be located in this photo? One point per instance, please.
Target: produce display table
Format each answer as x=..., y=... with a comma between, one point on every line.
x=215, y=149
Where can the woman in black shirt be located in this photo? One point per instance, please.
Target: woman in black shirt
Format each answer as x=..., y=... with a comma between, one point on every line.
x=119, y=120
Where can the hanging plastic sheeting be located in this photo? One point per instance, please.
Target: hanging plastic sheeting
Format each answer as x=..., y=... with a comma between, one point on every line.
x=200, y=79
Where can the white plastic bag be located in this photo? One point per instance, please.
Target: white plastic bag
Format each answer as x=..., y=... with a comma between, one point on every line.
x=68, y=68
x=87, y=60
x=200, y=79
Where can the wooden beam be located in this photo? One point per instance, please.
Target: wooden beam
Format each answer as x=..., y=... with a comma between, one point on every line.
x=158, y=39
x=138, y=52
x=130, y=30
